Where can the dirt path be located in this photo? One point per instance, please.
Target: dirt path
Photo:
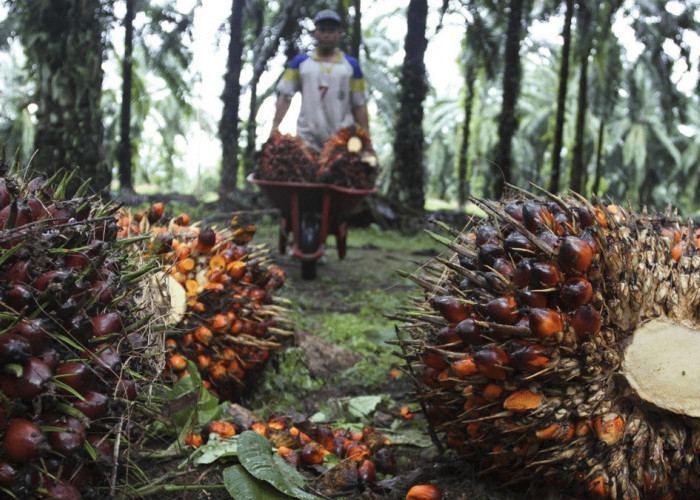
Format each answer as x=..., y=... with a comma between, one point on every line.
x=347, y=288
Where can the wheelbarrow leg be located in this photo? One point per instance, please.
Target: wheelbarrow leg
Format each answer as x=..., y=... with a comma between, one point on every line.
x=342, y=239
x=284, y=231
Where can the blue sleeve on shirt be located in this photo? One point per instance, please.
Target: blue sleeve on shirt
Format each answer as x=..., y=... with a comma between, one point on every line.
x=356, y=71
x=294, y=64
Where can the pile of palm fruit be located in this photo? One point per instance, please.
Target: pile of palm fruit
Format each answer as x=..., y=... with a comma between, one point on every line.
x=286, y=158
x=69, y=323
x=347, y=159
x=230, y=322
x=341, y=461
x=557, y=341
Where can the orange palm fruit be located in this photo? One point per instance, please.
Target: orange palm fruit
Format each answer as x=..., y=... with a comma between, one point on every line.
x=177, y=362
x=290, y=456
x=222, y=428
x=522, y=400
x=260, y=427
x=424, y=492
x=194, y=440
x=313, y=453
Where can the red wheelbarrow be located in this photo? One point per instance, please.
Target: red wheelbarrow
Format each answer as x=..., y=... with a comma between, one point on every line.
x=311, y=211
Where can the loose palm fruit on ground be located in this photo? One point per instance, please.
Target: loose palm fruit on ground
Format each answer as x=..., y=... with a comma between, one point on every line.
x=577, y=362
x=309, y=445
x=424, y=492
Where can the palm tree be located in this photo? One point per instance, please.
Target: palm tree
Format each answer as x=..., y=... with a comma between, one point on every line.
x=586, y=24
x=407, y=172
x=228, y=126
x=65, y=47
x=124, y=151
x=608, y=62
x=480, y=48
x=508, y=123
x=561, y=98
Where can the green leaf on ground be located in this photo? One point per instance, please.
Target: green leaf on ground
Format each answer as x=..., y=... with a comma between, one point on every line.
x=363, y=406
x=241, y=484
x=214, y=450
x=256, y=456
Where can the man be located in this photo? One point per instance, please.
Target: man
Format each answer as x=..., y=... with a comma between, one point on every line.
x=331, y=84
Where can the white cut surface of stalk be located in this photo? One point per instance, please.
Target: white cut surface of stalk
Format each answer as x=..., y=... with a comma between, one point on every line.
x=662, y=364
x=354, y=144
x=165, y=297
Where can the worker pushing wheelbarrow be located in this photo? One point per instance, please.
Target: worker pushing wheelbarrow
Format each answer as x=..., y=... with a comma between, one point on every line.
x=313, y=193
x=315, y=197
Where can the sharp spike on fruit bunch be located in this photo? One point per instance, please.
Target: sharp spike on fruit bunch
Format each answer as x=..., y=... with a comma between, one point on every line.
x=230, y=323
x=71, y=331
x=348, y=159
x=286, y=158
x=560, y=343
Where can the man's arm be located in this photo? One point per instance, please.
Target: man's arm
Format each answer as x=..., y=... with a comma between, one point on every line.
x=283, y=103
x=361, y=116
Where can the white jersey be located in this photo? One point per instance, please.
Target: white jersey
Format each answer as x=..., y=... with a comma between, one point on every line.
x=329, y=92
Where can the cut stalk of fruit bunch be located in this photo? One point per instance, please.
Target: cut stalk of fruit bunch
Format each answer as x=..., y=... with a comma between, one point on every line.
x=559, y=343
x=69, y=323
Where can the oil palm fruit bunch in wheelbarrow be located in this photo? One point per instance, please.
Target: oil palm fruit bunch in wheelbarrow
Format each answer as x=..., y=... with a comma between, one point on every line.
x=69, y=322
x=286, y=158
x=348, y=160
x=229, y=321
x=558, y=341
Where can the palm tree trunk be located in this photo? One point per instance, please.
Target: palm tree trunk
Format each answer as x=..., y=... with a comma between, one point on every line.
x=578, y=164
x=561, y=99
x=64, y=43
x=124, y=154
x=463, y=162
x=407, y=172
x=228, y=126
x=599, y=156
x=356, y=30
x=507, y=123
x=251, y=135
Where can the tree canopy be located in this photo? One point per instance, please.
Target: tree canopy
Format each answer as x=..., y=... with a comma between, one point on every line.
x=605, y=105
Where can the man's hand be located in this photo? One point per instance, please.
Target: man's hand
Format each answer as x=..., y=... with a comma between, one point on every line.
x=361, y=117
x=283, y=103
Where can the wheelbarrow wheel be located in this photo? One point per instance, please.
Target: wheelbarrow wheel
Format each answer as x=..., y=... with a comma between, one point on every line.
x=310, y=226
x=308, y=269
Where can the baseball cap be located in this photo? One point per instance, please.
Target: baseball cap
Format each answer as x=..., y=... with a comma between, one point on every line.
x=327, y=15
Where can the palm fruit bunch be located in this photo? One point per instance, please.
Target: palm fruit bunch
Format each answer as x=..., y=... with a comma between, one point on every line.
x=348, y=159
x=69, y=323
x=230, y=321
x=286, y=158
x=558, y=341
